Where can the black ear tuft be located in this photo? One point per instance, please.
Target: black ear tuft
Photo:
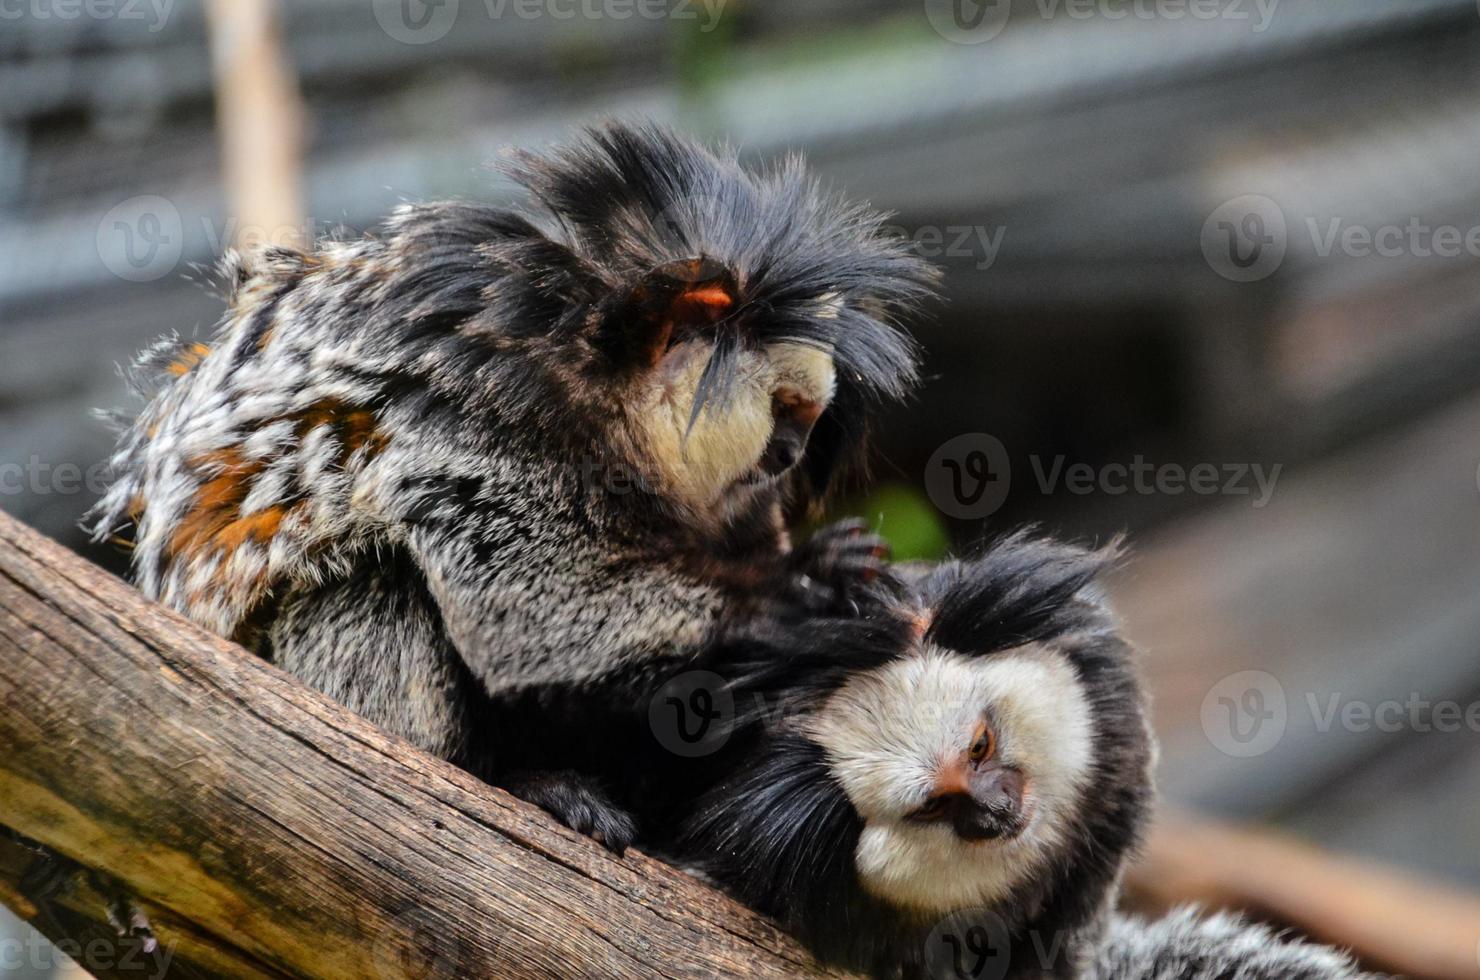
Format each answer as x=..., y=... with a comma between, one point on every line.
x=1021, y=589
x=641, y=321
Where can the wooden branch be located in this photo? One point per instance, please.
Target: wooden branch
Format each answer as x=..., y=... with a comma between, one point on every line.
x=1393, y=922
x=76, y=924
x=268, y=831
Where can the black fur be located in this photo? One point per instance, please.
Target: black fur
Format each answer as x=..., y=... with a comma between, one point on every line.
x=456, y=391
x=631, y=199
x=776, y=829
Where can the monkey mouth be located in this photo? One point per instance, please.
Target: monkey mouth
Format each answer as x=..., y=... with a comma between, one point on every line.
x=779, y=458
x=1011, y=828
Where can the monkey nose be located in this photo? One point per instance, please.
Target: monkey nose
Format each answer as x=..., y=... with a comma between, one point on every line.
x=993, y=808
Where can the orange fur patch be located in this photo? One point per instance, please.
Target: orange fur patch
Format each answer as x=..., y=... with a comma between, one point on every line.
x=215, y=521
x=217, y=501
x=920, y=623
x=189, y=359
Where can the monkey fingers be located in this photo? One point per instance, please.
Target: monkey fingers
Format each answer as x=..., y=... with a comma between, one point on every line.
x=831, y=567
x=578, y=802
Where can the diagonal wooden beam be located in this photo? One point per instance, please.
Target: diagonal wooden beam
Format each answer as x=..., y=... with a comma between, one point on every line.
x=264, y=827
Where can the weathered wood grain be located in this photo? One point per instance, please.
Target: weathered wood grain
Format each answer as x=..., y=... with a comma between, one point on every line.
x=279, y=829
x=76, y=924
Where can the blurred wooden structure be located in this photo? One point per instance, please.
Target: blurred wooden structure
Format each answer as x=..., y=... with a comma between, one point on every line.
x=1351, y=592
x=1394, y=923
x=259, y=116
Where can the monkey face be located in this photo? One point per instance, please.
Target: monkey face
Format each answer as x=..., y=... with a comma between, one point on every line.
x=966, y=771
x=755, y=435
x=715, y=409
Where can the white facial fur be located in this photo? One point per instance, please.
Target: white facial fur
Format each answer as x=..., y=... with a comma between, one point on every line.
x=888, y=731
x=698, y=466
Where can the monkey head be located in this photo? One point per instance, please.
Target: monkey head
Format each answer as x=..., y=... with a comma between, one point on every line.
x=972, y=748
x=728, y=329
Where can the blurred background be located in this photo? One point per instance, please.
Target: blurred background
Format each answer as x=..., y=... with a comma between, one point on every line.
x=1213, y=279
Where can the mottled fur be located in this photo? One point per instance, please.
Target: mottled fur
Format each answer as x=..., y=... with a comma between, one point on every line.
x=489, y=454
x=1184, y=946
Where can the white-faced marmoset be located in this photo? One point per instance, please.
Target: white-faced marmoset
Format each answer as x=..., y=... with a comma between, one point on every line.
x=490, y=461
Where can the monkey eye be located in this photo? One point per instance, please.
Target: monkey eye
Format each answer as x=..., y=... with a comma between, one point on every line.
x=933, y=810
x=983, y=744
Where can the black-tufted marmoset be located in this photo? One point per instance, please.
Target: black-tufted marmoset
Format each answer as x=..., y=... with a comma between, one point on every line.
x=491, y=464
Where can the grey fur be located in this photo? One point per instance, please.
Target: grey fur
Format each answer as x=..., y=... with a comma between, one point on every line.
x=428, y=468
x=1185, y=946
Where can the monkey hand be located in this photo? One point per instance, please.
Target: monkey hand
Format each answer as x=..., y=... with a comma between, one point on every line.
x=579, y=802
x=829, y=571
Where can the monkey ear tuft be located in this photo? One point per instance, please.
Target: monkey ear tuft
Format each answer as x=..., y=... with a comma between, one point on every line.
x=688, y=293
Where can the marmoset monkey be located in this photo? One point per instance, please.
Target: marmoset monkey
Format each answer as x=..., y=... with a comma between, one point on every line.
x=487, y=460
x=969, y=756
x=950, y=784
